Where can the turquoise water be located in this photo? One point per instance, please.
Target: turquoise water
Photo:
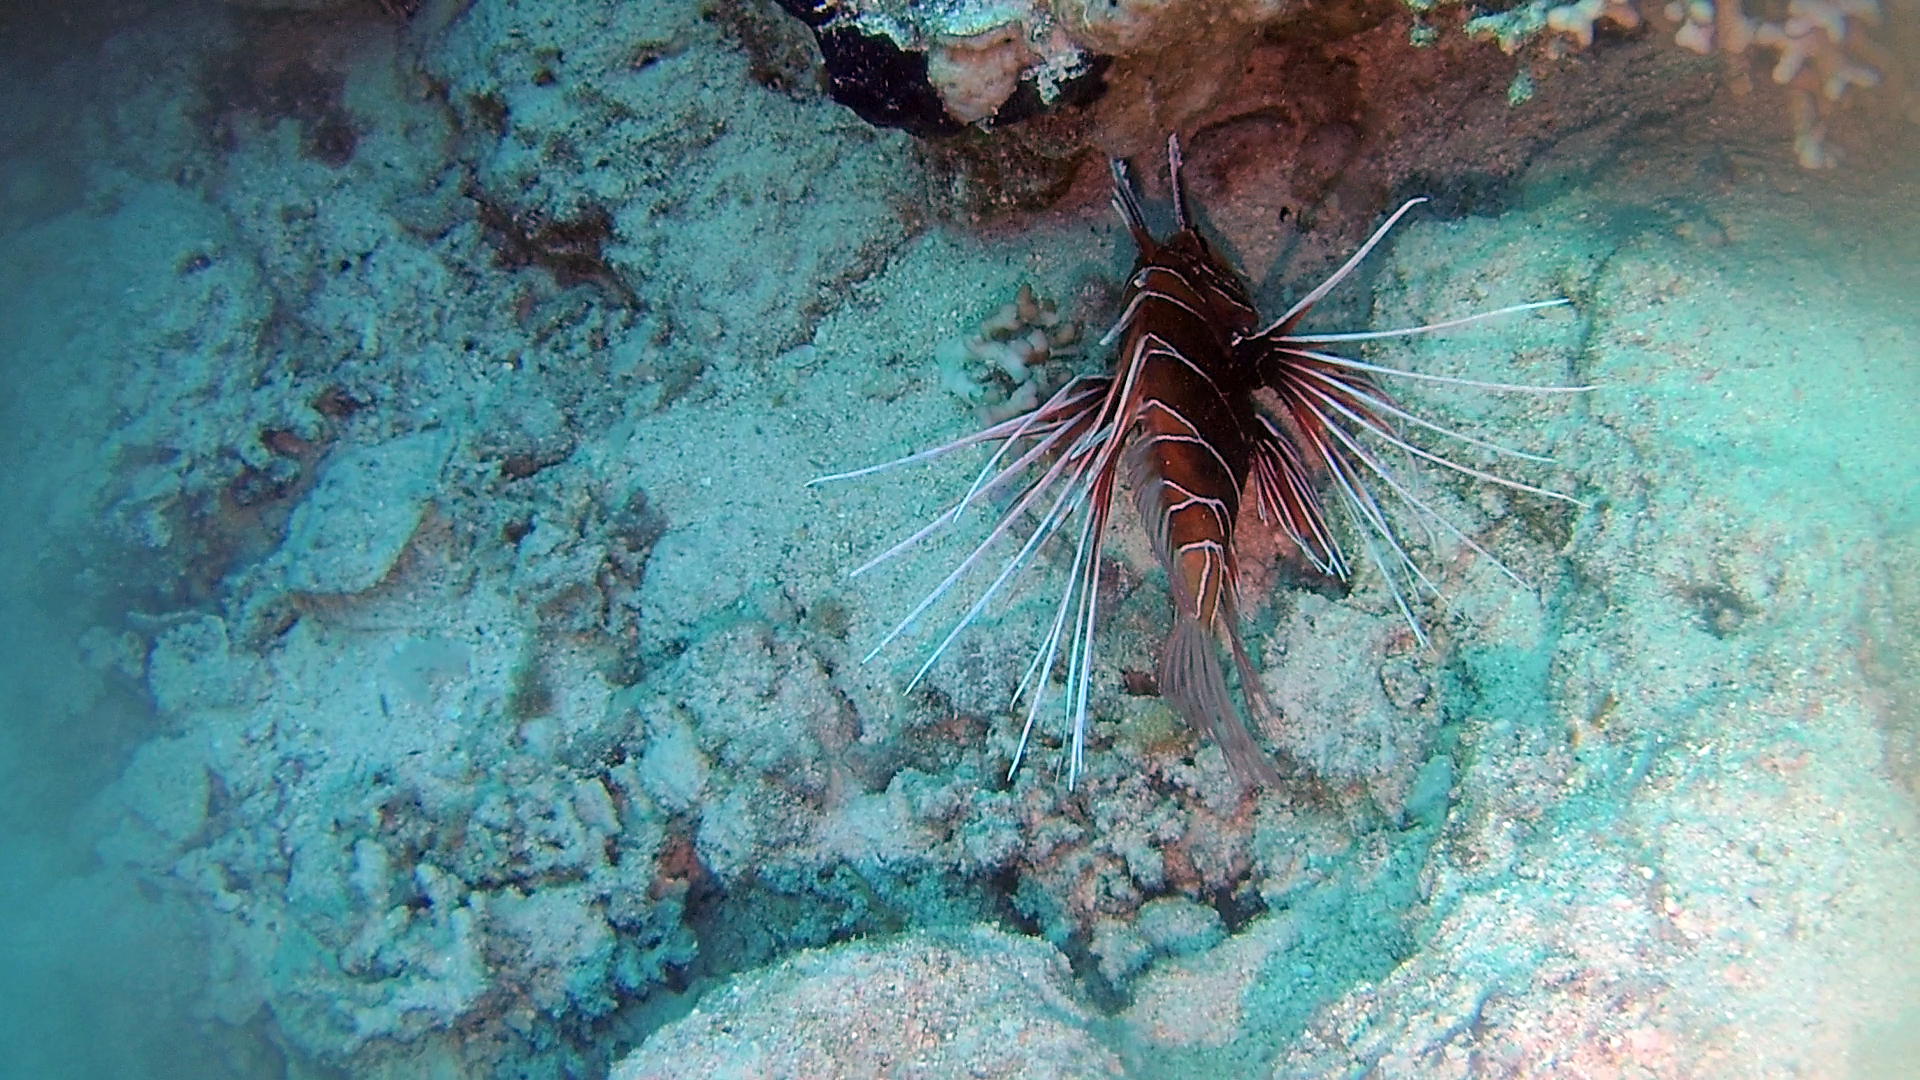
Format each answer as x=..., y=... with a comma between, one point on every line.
x=425, y=656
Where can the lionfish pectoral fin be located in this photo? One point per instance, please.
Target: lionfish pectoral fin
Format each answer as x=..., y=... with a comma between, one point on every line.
x=1194, y=684
x=1301, y=305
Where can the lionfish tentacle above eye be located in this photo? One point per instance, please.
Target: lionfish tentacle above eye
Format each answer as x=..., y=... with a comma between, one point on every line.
x=1181, y=413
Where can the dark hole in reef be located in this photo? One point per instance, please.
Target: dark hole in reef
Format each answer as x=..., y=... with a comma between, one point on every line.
x=1106, y=998
x=273, y=84
x=1238, y=905
x=1722, y=611
x=1005, y=884
x=490, y=110
x=332, y=140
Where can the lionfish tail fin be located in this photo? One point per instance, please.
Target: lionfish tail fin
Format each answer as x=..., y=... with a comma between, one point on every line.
x=1194, y=684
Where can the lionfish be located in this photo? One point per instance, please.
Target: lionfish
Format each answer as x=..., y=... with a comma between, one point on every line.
x=1180, y=419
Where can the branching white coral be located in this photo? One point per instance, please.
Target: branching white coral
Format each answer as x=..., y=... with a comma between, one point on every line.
x=1820, y=49
x=1010, y=352
x=1577, y=19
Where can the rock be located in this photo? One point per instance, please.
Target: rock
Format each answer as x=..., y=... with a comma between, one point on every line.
x=345, y=537
x=1180, y=927
x=968, y=1002
x=193, y=666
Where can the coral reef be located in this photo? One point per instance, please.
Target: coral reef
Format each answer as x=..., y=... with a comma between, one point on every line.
x=1823, y=49
x=490, y=687
x=1143, y=68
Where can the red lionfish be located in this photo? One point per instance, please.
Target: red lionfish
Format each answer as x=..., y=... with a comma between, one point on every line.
x=1178, y=418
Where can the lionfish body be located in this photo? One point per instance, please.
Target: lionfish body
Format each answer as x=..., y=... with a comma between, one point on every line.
x=1194, y=429
x=1179, y=420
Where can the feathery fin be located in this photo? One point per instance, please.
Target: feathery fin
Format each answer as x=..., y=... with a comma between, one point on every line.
x=1193, y=682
